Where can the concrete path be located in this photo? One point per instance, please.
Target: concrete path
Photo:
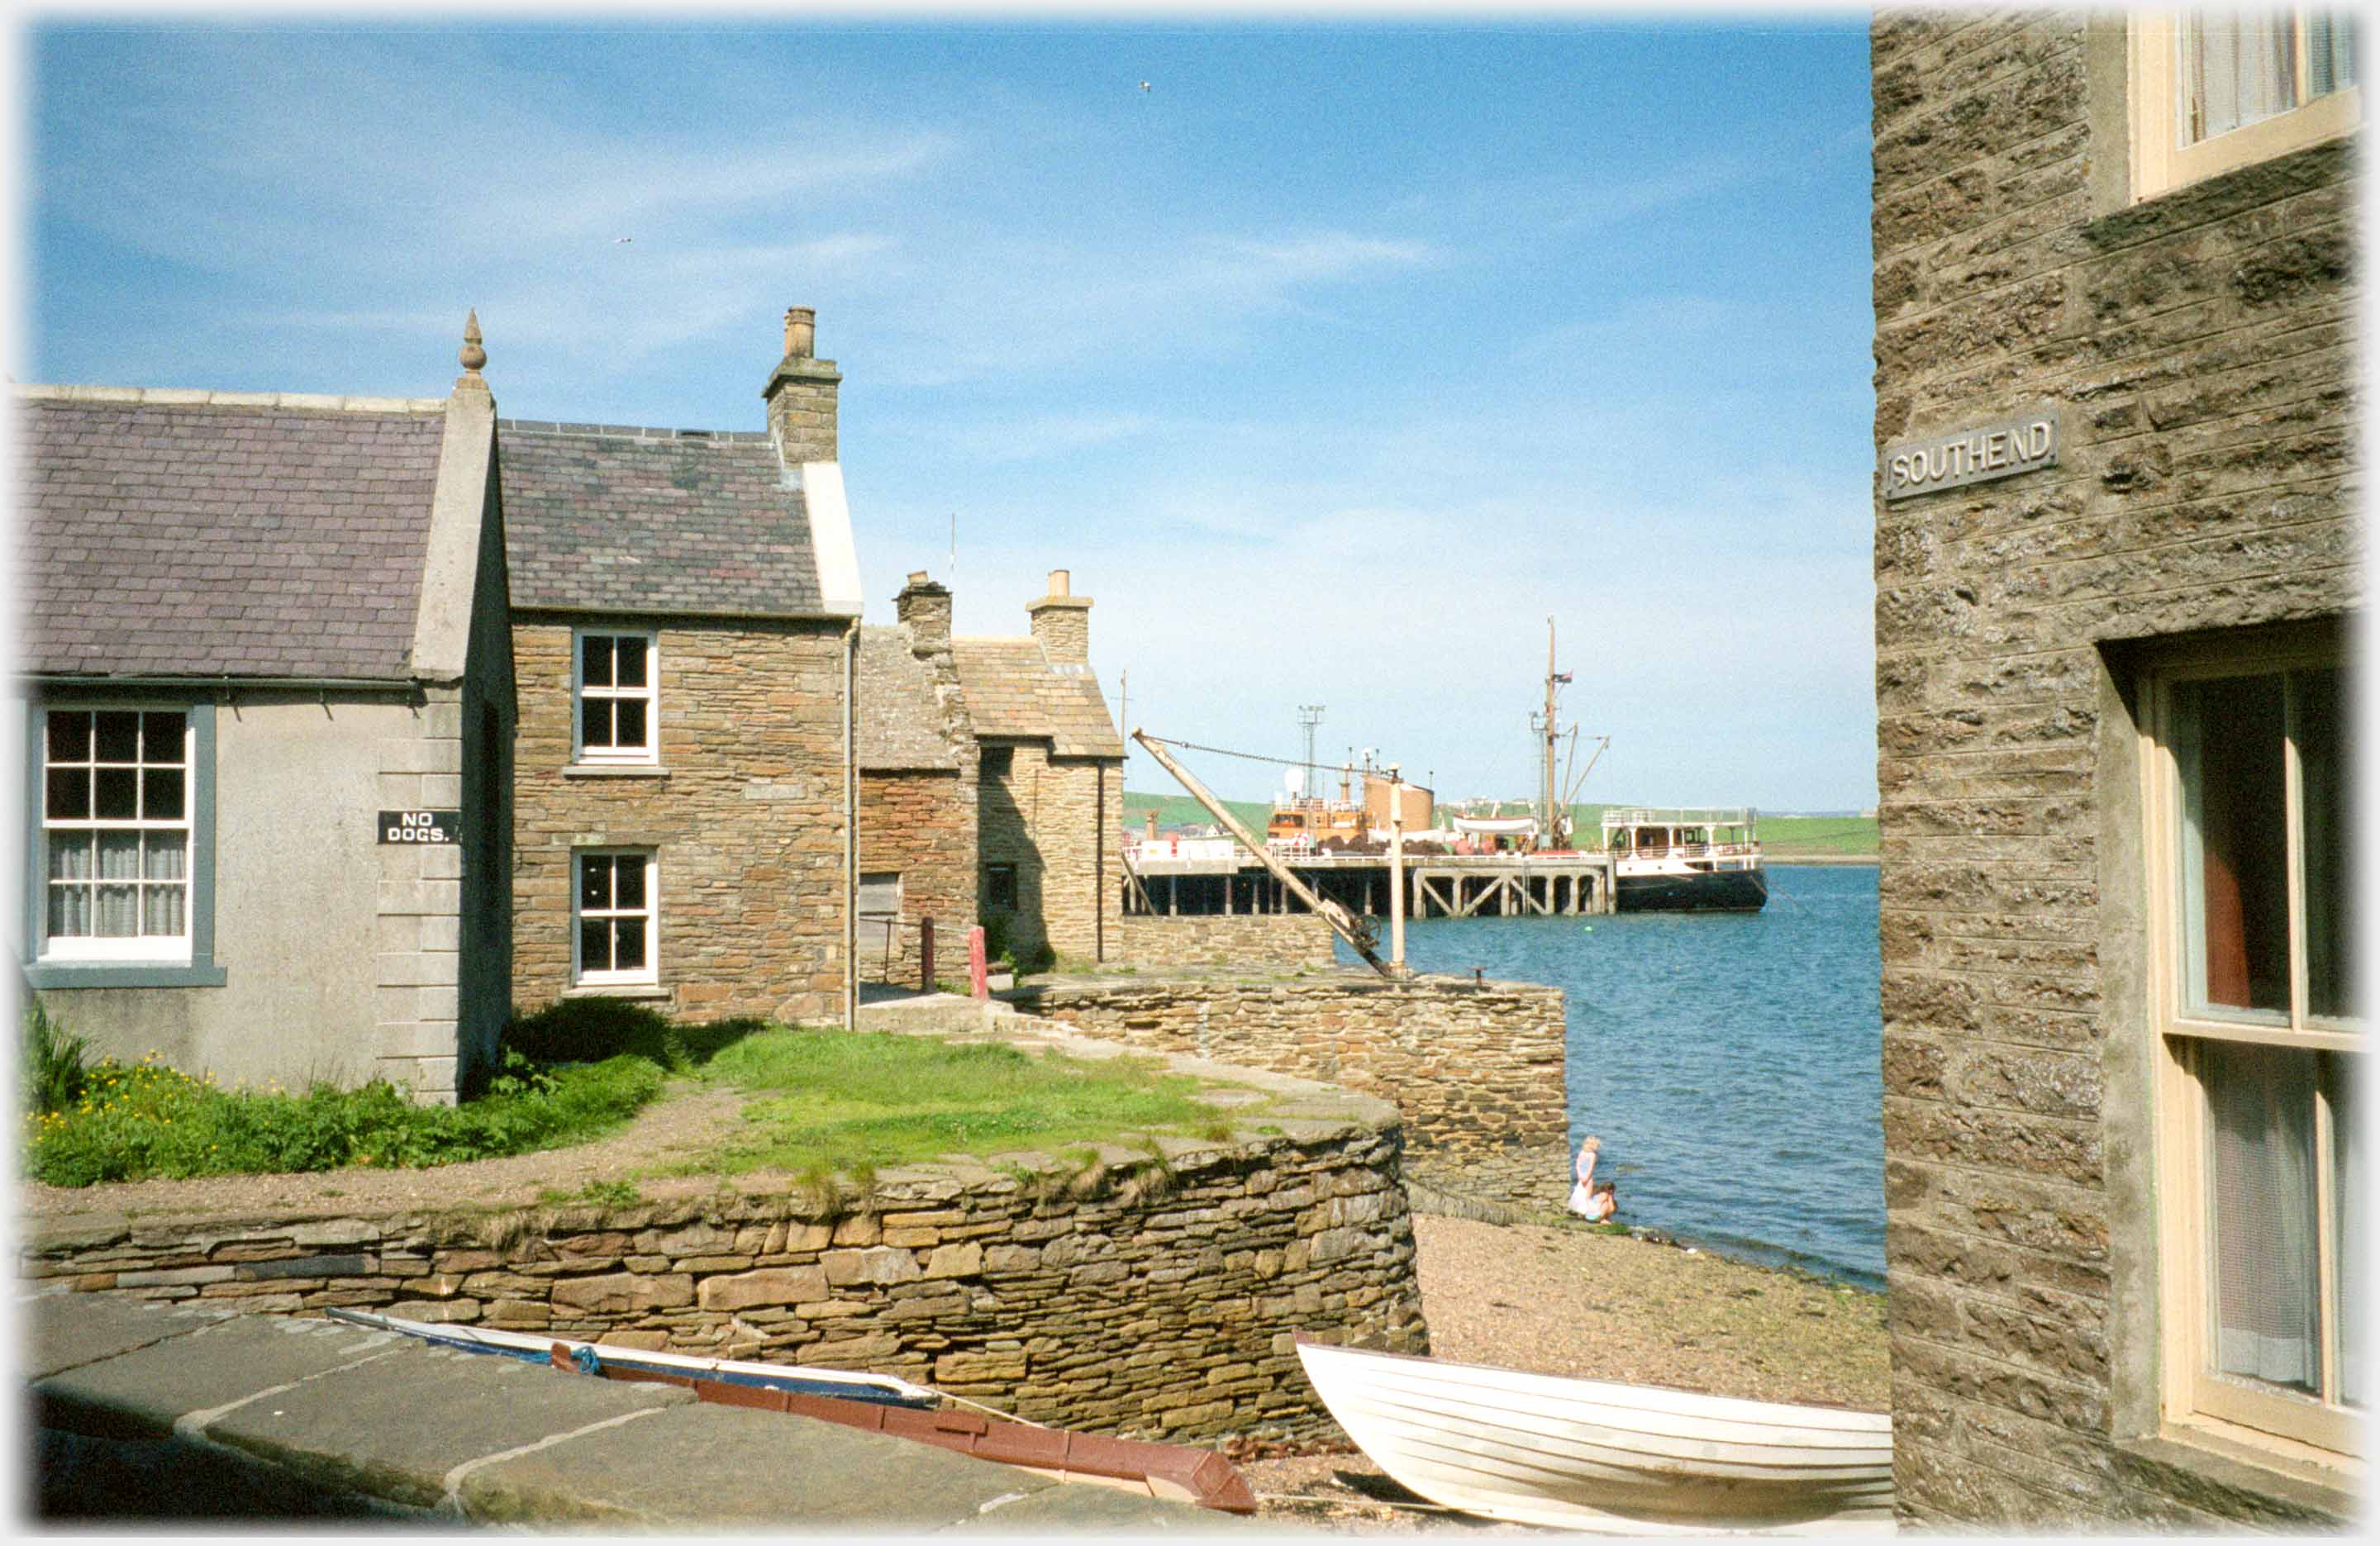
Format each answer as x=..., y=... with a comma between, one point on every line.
x=149, y=1412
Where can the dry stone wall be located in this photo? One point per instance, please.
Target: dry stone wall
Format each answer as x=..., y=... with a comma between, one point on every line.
x=1152, y=1304
x=744, y=813
x=2197, y=349
x=1271, y=940
x=1474, y=1067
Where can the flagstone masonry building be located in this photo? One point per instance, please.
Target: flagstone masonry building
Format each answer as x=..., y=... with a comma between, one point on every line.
x=2118, y=583
x=991, y=773
x=1050, y=781
x=685, y=608
x=919, y=770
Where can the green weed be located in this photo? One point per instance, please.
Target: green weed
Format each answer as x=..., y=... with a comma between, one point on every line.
x=54, y=1063
x=132, y=1122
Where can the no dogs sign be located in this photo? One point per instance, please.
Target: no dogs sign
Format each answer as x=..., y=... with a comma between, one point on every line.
x=420, y=827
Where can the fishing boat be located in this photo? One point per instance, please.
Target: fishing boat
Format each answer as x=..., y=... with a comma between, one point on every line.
x=1589, y=1455
x=876, y=1403
x=1680, y=860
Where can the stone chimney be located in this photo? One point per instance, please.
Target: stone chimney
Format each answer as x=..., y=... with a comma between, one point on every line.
x=1061, y=622
x=801, y=395
x=925, y=609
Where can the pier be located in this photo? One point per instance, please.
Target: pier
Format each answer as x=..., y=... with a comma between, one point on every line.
x=1214, y=877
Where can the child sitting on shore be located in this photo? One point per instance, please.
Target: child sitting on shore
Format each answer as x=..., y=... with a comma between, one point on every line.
x=1601, y=1203
x=1582, y=1194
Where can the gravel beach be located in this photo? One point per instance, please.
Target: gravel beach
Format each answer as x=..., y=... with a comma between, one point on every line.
x=1565, y=1299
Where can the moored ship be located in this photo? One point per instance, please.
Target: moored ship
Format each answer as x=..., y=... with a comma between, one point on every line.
x=1685, y=859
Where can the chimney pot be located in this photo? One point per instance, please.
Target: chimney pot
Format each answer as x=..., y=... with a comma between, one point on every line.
x=917, y=577
x=801, y=331
x=1059, y=580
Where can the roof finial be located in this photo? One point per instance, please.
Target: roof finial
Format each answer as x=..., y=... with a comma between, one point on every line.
x=473, y=357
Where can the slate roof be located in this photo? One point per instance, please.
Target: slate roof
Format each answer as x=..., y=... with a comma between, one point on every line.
x=900, y=712
x=199, y=534
x=618, y=519
x=1013, y=689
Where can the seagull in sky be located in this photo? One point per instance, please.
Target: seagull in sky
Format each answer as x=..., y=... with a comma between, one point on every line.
x=621, y=241
x=1144, y=85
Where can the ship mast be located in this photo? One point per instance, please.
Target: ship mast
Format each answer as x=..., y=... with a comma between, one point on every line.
x=1549, y=833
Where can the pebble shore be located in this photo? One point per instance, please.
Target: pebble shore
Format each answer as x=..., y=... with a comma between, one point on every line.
x=1565, y=1299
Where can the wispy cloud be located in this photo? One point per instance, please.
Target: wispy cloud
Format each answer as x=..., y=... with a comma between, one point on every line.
x=1042, y=436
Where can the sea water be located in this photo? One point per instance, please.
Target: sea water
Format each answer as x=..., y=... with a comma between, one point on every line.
x=1729, y=1062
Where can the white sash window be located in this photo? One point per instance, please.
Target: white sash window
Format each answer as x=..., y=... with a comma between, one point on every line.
x=2259, y=1020
x=115, y=833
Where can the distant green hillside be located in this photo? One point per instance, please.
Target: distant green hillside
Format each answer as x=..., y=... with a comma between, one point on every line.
x=1780, y=837
x=1180, y=810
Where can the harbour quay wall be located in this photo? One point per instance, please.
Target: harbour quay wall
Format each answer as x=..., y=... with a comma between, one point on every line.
x=1147, y=1299
x=1276, y=939
x=1475, y=1068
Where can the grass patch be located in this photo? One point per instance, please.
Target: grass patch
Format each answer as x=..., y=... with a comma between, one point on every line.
x=142, y=1120
x=856, y=1103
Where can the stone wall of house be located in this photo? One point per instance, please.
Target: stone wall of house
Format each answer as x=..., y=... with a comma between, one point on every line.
x=1148, y=1305
x=1054, y=819
x=1474, y=1067
x=744, y=813
x=1265, y=939
x=921, y=826
x=2197, y=349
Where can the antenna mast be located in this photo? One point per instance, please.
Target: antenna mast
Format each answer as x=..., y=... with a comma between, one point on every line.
x=1309, y=715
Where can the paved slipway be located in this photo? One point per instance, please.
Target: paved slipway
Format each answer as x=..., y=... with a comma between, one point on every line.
x=166, y=1414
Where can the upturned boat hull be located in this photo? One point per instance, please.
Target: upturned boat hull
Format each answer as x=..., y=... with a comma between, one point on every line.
x=1586, y=1454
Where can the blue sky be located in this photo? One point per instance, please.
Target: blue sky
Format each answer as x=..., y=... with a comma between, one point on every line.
x=1332, y=363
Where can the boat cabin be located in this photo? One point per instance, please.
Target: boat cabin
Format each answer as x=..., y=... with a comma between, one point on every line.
x=1646, y=832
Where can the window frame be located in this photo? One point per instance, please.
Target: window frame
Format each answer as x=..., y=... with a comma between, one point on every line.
x=2193, y=1399
x=2160, y=163
x=191, y=962
x=582, y=754
x=172, y=949
x=646, y=977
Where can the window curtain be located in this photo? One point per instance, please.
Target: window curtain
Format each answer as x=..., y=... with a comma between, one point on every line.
x=119, y=860
x=164, y=909
x=2347, y=1174
x=2237, y=68
x=2330, y=52
x=2262, y=1199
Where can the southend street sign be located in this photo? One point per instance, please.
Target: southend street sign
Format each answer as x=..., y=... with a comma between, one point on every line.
x=420, y=827
x=2019, y=445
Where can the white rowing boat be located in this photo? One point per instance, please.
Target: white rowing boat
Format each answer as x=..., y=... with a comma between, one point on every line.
x=1586, y=1455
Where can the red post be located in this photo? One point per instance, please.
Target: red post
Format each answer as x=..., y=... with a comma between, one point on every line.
x=926, y=954
x=978, y=969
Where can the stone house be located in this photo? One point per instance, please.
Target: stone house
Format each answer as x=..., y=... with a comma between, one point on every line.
x=2117, y=580
x=1050, y=782
x=266, y=708
x=918, y=787
x=686, y=609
